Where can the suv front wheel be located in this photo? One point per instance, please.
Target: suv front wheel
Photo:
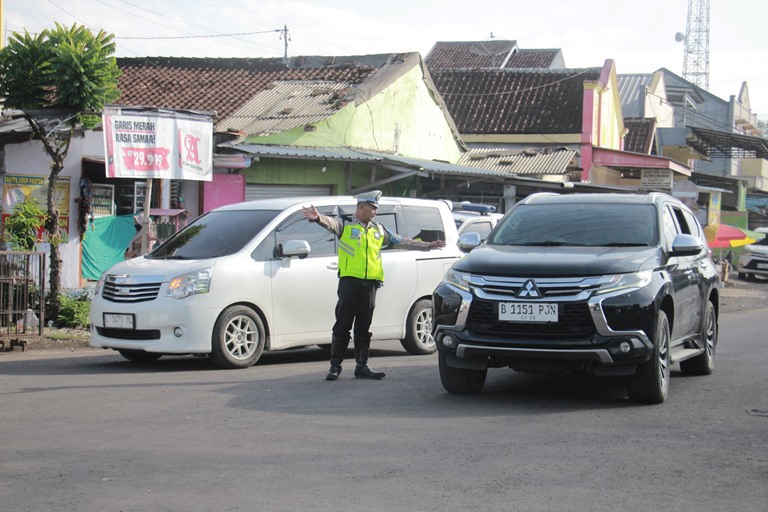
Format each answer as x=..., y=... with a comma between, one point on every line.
x=460, y=380
x=650, y=383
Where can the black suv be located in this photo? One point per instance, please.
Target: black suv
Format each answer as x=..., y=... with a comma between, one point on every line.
x=612, y=284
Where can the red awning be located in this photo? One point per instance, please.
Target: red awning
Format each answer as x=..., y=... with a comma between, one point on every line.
x=624, y=160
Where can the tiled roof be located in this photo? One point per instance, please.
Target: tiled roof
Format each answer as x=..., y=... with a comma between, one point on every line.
x=535, y=58
x=507, y=101
x=469, y=54
x=225, y=85
x=639, y=138
x=496, y=54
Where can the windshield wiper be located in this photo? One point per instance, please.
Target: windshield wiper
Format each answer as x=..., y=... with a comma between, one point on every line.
x=625, y=244
x=551, y=243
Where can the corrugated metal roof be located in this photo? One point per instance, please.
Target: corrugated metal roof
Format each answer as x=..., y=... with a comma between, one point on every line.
x=529, y=162
x=341, y=153
x=286, y=106
x=311, y=153
x=446, y=167
x=632, y=94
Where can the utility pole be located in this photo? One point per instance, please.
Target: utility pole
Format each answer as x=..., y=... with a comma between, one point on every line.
x=283, y=35
x=696, y=37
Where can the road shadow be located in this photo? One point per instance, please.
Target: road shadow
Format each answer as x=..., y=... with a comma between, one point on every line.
x=412, y=387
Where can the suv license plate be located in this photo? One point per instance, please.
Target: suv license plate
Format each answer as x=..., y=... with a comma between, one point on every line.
x=118, y=321
x=527, y=312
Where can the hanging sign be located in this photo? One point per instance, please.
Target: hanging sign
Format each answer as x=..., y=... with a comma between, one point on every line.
x=146, y=143
x=656, y=179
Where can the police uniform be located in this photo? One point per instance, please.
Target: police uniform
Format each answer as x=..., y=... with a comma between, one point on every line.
x=361, y=274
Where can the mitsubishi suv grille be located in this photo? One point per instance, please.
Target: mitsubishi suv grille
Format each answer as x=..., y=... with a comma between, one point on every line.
x=571, y=294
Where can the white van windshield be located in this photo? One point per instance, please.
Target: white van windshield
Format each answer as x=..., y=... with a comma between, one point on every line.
x=215, y=234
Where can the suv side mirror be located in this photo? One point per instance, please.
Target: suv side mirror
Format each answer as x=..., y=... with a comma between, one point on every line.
x=686, y=245
x=469, y=241
x=290, y=248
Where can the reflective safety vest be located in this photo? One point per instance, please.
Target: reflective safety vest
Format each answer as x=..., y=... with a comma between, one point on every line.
x=360, y=251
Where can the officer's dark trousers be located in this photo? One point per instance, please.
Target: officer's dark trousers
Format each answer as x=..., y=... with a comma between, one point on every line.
x=357, y=299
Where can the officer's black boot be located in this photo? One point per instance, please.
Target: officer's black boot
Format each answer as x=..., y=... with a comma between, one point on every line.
x=362, y=370
x=338, y=348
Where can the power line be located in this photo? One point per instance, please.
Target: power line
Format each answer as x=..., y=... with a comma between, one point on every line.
x=205, y=36
x=165, y=25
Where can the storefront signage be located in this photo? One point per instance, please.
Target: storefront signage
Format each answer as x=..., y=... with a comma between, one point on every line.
x=166, y=144
x=656, y=179
x=18, y=188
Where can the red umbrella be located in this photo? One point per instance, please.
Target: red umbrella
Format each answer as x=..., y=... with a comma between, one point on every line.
x=722, y=235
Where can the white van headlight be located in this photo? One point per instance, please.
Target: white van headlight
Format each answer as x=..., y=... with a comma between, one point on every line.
x=191, y=283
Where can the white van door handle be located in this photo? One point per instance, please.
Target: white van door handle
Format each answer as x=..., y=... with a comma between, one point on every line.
x=333, y=266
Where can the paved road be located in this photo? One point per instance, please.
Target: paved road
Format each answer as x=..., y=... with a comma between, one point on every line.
x=87, y=431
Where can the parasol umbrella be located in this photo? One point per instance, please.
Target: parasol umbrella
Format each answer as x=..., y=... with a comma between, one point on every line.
x=723, y=235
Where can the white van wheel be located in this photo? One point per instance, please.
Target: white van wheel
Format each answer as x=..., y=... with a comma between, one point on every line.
x=418, y=330
x=238, y=338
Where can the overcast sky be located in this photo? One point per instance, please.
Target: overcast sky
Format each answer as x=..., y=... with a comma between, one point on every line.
x=638, y=36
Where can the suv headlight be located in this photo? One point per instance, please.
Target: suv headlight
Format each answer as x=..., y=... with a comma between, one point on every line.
x=198, y=281
x=626, y=281
x=747, y=252
x=457, y=279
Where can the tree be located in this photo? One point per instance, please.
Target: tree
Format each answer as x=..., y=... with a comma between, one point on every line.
x=60, y=80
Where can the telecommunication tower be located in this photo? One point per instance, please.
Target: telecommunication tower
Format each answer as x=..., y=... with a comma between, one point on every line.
x=696, y=39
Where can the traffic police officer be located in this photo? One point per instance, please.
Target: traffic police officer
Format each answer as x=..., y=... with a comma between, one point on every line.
x=361, y=273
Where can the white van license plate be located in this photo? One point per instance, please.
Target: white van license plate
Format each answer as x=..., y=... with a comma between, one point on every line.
x=527, y=312
x=118, y=321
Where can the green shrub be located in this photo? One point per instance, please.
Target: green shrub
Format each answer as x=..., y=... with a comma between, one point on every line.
x=22, y=225
x=75, y=310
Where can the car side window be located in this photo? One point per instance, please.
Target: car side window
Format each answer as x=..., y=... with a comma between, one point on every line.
x=321, y=241
x=669, y=228
x=682, y=221
x=693, y=224
x=423, y=223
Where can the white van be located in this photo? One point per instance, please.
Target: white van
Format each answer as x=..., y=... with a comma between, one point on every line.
x=258, y=276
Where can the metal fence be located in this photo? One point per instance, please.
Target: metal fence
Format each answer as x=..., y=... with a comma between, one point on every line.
x=22, y=293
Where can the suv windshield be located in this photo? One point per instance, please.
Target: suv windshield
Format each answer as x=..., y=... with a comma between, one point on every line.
x=214, y=234
x=613, y=225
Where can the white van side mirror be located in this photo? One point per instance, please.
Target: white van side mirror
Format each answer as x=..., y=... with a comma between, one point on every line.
x=298, y=248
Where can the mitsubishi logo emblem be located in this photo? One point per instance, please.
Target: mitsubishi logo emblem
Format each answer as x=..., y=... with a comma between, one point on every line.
x=529, y=290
